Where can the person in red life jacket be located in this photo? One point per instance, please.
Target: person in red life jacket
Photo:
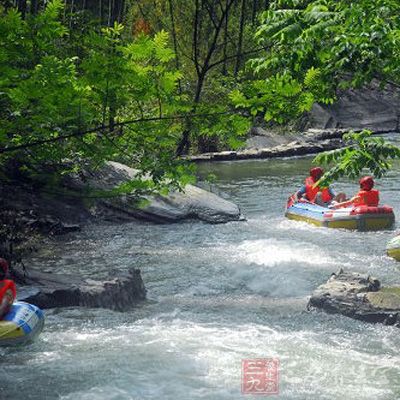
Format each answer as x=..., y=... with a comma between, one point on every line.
x=315, y=194
x=8, y=291
x=367, y=196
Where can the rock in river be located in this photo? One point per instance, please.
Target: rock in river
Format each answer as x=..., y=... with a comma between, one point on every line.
x=48, y=290
x=358, y=296
x=193, y=202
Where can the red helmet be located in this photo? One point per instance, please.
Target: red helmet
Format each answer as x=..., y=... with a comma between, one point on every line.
x=367, y=182
x=316, y=173
x=3, y=268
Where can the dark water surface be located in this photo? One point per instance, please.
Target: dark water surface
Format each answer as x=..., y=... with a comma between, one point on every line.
x=217, y=294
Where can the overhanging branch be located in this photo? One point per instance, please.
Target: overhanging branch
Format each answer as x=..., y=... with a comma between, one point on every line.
x=101, y=129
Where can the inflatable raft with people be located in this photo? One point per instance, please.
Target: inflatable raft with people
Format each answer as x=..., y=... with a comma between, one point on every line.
x=21, y=325
x=20, y=322
x=362, y=218
x=319, y=206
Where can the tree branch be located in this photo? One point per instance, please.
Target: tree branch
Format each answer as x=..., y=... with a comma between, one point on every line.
x=100, y=129
x=235, y=56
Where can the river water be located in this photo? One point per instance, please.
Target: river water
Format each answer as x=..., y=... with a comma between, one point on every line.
x=217, y=294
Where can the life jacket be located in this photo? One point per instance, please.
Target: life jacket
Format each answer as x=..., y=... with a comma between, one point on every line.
x=312, y=191
x=7, y=285
x=367, y=198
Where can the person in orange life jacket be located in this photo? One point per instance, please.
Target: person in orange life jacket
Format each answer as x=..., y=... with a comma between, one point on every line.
x=367, y=196
x=7, y=289
x=315, y=194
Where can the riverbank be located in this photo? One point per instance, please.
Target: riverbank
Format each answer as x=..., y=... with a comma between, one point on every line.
x=310, y=142
x=371, y=107
x=265, y=145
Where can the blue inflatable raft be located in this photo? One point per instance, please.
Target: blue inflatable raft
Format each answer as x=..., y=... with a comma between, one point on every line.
x=362, y=218
x=21, y=325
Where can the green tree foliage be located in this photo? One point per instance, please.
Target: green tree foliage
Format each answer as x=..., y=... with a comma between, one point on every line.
x=361, y=152
x=74, y=94
x=316, y=47
x=280, y=98
x=63, y=104
x=212, y=39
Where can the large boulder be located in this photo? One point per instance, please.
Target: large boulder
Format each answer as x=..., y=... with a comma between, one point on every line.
x=358, y=296
x=193, y=202
x=371, y=107
x=48, y=290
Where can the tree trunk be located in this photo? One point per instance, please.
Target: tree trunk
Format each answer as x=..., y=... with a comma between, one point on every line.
x=22, y=8
x=224, y=65
x=174, y=40
x=34, y=7
x=202, y=68
x=121, y=10
x=254, y=12
x=240, y=39
x=184, y=143
x=101, y=11
x=195, y=47
x=71, y=15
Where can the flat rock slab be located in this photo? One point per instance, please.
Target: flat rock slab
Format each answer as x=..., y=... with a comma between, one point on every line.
x=192, y=203
x=294, y=148
x=358, y=296
x=48, y=290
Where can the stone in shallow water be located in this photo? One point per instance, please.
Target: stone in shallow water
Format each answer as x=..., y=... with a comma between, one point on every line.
x=358, y=296
x=48, y=290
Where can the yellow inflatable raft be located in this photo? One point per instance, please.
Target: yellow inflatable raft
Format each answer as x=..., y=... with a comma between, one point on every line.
x=22, y=324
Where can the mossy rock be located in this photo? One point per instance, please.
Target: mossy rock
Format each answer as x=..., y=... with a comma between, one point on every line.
x=387, y=298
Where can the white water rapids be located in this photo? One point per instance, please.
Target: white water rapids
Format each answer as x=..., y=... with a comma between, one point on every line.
x=217, y=294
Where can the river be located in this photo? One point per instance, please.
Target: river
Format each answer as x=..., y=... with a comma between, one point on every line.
x=217, y=294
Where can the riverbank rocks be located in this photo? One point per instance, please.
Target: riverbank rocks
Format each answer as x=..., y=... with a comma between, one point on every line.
x=193, y=202
x=48, y=290
x=259, y=138
x=291, y=149
x=358, y=296
x=372, y=107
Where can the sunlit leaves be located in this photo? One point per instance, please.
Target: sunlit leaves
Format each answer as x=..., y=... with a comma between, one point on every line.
x=362, y=153
x=312, y=77
x=326, y=45
x=280, y=98
x=162, y=51
x=52, y=87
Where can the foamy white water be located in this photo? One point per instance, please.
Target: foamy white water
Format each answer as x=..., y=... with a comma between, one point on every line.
x=217, y=294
